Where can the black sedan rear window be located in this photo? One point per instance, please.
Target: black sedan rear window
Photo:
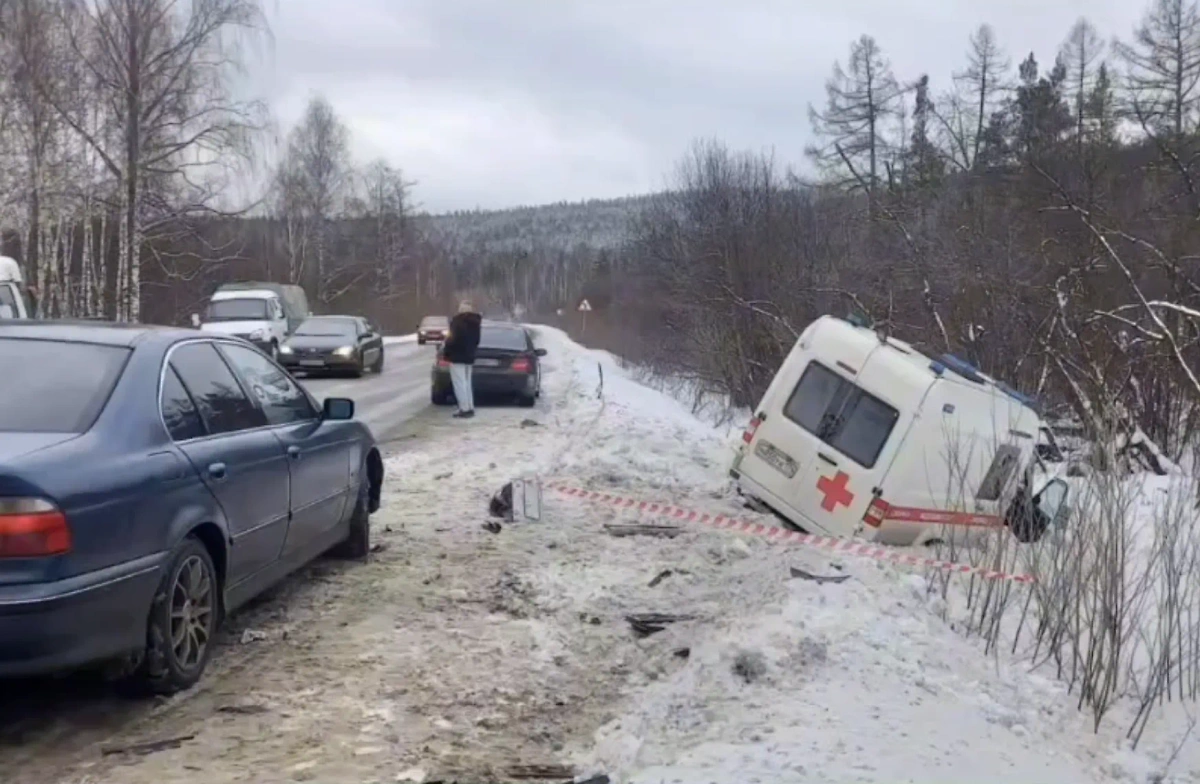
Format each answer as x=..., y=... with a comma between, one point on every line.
x=53, y=386
x=507, y=339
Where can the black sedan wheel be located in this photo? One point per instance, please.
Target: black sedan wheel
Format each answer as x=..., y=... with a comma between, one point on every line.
x=183, y=620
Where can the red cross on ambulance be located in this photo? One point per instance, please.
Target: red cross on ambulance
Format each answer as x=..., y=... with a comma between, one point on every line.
x=835, y=491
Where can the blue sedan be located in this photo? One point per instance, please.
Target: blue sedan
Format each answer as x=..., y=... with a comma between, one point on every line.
x=152, y=480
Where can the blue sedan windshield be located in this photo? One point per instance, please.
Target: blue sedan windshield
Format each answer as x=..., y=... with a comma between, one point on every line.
x=51, y=386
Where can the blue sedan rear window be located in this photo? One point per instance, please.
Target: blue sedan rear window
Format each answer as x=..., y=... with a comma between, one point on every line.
x=51, y=386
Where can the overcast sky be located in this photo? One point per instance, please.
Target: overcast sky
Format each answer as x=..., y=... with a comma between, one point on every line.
x=507, y=102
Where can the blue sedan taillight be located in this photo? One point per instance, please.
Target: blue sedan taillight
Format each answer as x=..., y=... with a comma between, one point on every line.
x=32, y=528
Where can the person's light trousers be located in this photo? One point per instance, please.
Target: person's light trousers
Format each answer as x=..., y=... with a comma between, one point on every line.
x=460, y=378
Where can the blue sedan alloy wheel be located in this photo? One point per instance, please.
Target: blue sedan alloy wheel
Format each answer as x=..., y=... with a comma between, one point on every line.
x=183, y=620
x=192, y=612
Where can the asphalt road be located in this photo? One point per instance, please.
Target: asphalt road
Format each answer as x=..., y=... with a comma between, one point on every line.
x=389, y=400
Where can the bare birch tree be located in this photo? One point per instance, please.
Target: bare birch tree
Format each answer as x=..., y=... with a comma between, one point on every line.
x=384, y=200
x=162, y=70
x=314, y=181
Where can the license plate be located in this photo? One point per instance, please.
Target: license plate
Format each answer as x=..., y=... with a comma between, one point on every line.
x=488, y=362
x=776, y=458
x=312, y=363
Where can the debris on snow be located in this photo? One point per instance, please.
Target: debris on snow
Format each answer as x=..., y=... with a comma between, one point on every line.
x=664, y=574
x=148, y=747
x=819, y=579
x=623, y=529
x=253, y=635
x=646, y=624
x=749, y=665
x=249, y=709
x=541, y=772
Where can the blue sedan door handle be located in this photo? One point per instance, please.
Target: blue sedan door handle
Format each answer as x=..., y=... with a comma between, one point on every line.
x=216, y=471
x=294, y=452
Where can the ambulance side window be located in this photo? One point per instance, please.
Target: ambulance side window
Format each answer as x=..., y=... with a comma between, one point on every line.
x=998, y=475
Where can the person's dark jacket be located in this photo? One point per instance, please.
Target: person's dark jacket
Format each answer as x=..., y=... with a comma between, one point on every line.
x=464, y=338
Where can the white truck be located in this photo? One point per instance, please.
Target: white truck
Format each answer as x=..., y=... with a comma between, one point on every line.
x=859, y=434
x=14, y=299
x=265, y=314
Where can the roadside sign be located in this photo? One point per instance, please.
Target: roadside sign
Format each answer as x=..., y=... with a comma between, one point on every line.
x=585, y=306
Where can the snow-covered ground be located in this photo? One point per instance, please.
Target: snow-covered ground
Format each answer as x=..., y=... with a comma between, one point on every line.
x=458, y=653
x=787, y=679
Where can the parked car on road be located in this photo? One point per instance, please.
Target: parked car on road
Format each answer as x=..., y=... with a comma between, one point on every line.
x=15, y=298
x=334, y=344
x=506, y=366
x=432, y=328
x=153, y=480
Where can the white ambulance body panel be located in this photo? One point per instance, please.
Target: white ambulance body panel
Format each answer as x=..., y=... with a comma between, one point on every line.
x=854, y=427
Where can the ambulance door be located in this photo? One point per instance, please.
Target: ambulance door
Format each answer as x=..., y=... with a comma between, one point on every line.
x=805, y=398
x=861, y=434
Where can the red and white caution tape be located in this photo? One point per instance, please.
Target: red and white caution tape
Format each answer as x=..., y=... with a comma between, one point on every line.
x=775, y=534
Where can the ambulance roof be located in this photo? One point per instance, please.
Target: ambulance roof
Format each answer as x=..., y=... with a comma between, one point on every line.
x=917, y=367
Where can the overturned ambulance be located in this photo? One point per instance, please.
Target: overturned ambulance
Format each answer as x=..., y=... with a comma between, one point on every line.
x=860, y=434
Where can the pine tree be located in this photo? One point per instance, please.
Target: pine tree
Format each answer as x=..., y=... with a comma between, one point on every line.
x=925, y=166
x=860, y=102
x=1040, y=116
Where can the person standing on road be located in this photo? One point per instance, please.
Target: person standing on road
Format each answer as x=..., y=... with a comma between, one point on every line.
x=459, y=351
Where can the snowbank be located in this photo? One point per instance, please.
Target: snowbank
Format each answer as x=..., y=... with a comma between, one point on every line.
x=776, y=677
x=392, y=340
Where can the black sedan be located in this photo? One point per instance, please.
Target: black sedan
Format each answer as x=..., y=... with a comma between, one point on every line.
x=333, y=344
x=506, y=366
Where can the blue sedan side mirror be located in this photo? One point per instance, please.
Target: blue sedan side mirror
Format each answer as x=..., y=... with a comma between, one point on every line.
x=338, y=409
x=541, y=352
